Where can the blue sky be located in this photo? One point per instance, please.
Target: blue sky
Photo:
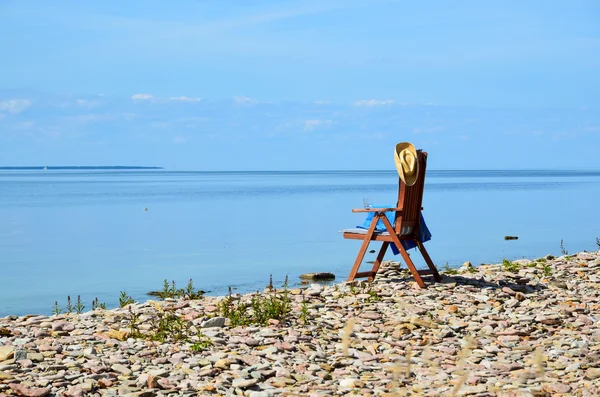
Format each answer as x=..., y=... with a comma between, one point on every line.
x=300, y=85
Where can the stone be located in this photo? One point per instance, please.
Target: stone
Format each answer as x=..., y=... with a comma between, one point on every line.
x=351, y=383
x=20, y=354
x=592, y=373
x=25, y=391
x=65, y=326
x=214, y=322
x=165, y=384
x=73, y=391
x=259, y=394
x=6, y=352
x=558, y=388
x=121, y=369
x=243, y=383
x=322, y=276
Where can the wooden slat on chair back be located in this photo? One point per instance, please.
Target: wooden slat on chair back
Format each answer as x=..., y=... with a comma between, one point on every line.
x=410, y=198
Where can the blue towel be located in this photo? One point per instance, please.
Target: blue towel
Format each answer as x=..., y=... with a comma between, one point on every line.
x=424, y=233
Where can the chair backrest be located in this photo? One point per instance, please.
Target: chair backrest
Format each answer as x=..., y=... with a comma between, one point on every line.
x=410, y=199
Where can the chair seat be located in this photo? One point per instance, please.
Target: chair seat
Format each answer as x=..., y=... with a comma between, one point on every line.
x=406, y=230
x=363, y=231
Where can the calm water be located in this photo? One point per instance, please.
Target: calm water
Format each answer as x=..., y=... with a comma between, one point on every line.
x=86, y=232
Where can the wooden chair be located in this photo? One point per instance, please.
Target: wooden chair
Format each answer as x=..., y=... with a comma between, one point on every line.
x=406, y=227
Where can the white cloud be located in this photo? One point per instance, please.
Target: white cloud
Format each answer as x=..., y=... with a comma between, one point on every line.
x=426, y=130
x=373, y=102
x=141, y=97
x=185, y=99
x=309, y=125
x=24, y=125
x=15, y=105
x=242, y=99
x=180, y=139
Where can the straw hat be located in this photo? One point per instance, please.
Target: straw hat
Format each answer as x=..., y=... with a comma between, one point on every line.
x=405, y=156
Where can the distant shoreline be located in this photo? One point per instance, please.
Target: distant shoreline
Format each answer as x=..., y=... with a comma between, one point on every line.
x=83, y=167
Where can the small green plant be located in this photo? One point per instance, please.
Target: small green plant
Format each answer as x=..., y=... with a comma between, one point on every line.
x=79, y=306
x=169, y=327
x=167, y=291
x=304, y=312
x=261, y=308
x=373, y=295
x=97, y=305
x=57, y=309
x=70, y=308
x=191, y=292
x=562, y=248
x=547, y=269
x=201, y=345
x=125, y=299
x=598, y=242
x=170, y=290
x=353, y=289
x=510, y=266
x=449, y=270
x=134, y=330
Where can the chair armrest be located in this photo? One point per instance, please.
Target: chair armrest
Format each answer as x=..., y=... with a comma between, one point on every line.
x=378, y=209
x=375, y=209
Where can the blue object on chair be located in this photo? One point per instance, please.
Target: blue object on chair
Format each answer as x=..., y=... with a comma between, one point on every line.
x=424, y=233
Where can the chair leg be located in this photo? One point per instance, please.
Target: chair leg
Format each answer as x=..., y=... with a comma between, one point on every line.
x=405, y=256
x=363, y=248
x=411, y=266
x=429, y=262
x=377, y=262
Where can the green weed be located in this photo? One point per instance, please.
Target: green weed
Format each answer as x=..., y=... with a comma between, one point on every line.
x=261, y=308
x=125, y=299
x=304, y=312
x=97, y=305
x=203, y=344
x=70, y=308
x=57, y=309
x=79, y=306
x=449, y=270
x=167, y=326
x=562, y=248
x=353, y=289
x=547, y=269
x=134, y=331
x=171, y=291
x=510, y=266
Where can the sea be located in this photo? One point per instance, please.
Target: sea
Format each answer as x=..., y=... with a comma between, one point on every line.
x=95, y=233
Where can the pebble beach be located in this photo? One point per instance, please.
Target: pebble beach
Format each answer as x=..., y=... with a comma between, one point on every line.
x=524, y=328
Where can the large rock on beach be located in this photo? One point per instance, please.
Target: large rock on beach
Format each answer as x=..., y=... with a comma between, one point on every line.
x=6, y=352
x=322, y=276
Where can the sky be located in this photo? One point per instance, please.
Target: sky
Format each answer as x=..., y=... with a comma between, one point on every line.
x=300, y=85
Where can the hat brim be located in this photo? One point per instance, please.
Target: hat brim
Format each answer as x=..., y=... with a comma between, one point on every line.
x=408, y=179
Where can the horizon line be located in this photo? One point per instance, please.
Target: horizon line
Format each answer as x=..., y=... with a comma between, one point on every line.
x=140, y=167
